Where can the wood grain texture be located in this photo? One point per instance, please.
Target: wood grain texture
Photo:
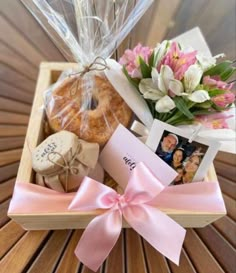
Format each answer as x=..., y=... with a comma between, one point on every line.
x=8, y=171
x=227, y=227
x=9, y=143
x=68, y=261
x=201, y=257
x=13, y=118
x=10, y=234
x=3, y=213
x=219, y=247
x=15, y=78
x=11, y=156
x=115, y=262
x=51, y=252
x=12, y=130
x=185, y=264
x=30, y=29
x=20, y=254
x=14, y=106
x=12, y=92
x=22, y=46
x=156, y=263
x=6, y=189
x=134, y=251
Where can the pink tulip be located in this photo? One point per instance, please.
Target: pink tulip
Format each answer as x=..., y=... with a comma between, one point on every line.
x=224, y=100
x=130, y=59
x=215, y=81
x=178, y=61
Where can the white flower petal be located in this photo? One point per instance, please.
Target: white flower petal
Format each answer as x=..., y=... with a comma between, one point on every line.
x=155, y=77
x=176, y=87
x=152, y=96
x=199, y=96
x=148, y=90
x=164, y=105
x=192, y=77
x=166, y=74
x=160, y=51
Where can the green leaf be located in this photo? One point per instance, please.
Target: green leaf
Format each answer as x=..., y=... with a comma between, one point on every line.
x=133, y=81
x=215, y=92
x=204, y=105
x=151, y=59
x=227, y=73
x=218, y=69
x=182, y=107
x=145, y=69
x=202, y=112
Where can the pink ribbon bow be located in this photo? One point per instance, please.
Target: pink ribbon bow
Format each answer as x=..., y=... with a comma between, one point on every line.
x=103, y=231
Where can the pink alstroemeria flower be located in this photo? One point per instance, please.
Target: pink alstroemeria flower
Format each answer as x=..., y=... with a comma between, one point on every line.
x=130, y=59
x=224, y=100
x=215, y=81
x=214, y=121
x=178, y=61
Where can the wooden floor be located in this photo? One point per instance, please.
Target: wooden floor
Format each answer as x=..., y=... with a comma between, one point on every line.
x=23, y=45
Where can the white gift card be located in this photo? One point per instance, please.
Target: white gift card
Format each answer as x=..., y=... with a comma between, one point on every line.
x=123, y=151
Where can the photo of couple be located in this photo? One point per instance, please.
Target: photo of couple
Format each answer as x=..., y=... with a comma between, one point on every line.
x=184, y=157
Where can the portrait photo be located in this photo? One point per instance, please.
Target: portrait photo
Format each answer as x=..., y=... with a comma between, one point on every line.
x=190, y=159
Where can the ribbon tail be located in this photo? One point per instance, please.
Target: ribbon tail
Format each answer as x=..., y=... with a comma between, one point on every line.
x=163, y=233
x=99, y=238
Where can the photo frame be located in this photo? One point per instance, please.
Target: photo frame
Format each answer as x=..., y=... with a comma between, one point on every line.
x=190, y=158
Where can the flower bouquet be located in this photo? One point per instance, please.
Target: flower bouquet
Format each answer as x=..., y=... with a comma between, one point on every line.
x=180, y=85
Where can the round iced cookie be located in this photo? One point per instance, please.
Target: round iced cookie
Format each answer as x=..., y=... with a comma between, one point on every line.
x=48, y=157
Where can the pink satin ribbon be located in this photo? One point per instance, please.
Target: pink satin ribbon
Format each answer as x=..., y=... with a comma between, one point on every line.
x=138, y=205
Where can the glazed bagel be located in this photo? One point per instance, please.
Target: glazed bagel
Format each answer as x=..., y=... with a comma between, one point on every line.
x=88, y=106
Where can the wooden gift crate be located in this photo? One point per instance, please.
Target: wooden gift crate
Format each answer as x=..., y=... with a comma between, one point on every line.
x=49, y=72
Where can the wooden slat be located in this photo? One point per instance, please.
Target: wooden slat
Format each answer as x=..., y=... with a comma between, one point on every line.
x=12, y=118
x=6, y=189
x=30, y=29
x=226, y=158
x=219, y=247
x=23, y=252
x=8, y=143
x=15, y=93
x=14, y=106
x=185, y=264
x=9, y=235
x=156, y=262
x=221, y=168
x=134, y=252
x=12, y=130
x=68, y=261
x=9, y=157
x=51, y=252
x=8, y=171
x=201, y=258
x=3, y=213
x=230, y=207
x=115, y=262
x=23, y=47
x=14, y=78
x=13, y=59
x=227, y=227
x=227, y=186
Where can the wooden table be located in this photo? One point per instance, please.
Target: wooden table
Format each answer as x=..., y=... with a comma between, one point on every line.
x=23, y=45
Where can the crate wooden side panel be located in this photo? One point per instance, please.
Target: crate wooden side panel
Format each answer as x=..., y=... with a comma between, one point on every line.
x=48, y=74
